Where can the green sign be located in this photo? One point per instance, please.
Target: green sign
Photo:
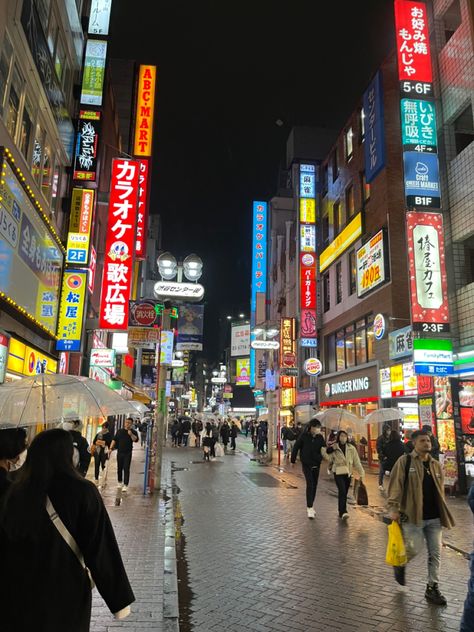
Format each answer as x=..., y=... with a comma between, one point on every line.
x=418, y=123
x=432, y=344
x=94, y=72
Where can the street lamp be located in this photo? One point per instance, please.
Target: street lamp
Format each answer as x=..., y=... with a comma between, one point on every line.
x=192, y=266
x=167, y=266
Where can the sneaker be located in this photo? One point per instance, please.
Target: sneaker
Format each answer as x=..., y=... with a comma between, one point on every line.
x=399, y=572
x=119, y=485
x=433, y=595
x=345, y=516
x=125, y=488
x=311, y=512
x=381, y=488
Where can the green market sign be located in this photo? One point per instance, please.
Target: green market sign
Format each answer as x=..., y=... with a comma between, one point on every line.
x=418, y=119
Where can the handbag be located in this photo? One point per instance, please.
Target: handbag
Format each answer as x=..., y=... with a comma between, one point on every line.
x=67, y=537
x=219, y=450
x=396, y=554
x=362, y=496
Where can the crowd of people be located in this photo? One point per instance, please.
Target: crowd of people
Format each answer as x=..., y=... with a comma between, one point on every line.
x=208, y=434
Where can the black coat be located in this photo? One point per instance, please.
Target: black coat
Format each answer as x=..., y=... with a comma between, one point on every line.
x=393, y=450
x=234, y=431
x=58, y=589
x=80, y=443
x=225, y=433
x=310, y=448
x=185, y=426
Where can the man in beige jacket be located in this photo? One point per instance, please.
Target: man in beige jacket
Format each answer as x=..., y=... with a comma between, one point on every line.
x=416, y=498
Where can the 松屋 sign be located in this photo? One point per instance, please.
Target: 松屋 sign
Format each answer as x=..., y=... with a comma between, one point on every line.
x=142, y=213
x=372, y=264
x=102, y=357
x=428, y=280
x=78, y=239
x=118, y=258
x=87, y=141
x=145, y=109
x=71, y=310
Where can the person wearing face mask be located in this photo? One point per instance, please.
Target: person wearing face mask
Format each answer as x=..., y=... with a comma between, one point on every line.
x=82, y=455
x=343, y=460
x=310, y=445
x=12, y=453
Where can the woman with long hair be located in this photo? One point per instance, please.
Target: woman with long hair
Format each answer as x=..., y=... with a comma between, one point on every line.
x=44, y=586
x=12, y=449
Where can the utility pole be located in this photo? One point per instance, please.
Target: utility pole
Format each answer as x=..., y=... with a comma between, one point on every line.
x=160, y=409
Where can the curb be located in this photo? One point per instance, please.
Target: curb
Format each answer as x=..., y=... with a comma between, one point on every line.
x=170, y=579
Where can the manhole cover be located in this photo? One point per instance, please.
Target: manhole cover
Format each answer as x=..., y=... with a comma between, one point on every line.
x=262, y=479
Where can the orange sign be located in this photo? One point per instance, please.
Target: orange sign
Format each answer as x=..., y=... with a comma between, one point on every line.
x=145, y=107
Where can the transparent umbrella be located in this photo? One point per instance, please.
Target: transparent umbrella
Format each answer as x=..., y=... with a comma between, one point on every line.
x=384, y=415
x=52, y=398
x=340, y=419
x=140, y=407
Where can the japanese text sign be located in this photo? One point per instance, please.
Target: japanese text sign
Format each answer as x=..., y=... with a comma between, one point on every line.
x=421, y=179
x=240, y=340
x=374, y=145
x=413, y=45
x=307, y=181
x=78, y=239
x=120, y=239
x=87, y=139
x=99, y=17
x=71, y=310
x=400, y=343
x=307, y=210
x=142, y=213
x=166, y=347
x=145, y=110
x=287, y=342
x=371, y=262
x=287, y=397
x=428, y=281
x=259, y=251
x=307, y=281
x=307, y=237
x=94, y=72
x=418, y=125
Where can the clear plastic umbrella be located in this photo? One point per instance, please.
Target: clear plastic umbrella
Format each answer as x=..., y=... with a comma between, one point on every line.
x=340, y=419
x=52, y=398
x=384, y=415
x=140, y=407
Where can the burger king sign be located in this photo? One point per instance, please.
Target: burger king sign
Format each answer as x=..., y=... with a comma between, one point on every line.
x=313, y=367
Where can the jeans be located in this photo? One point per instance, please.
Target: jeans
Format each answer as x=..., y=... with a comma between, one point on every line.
x=343, y=482
x=285, y=444
x=467, y=623
x=289, y=447
x=311, y=475
x=143, y=438
x=185, y=438
x=232, y=443
x=430, y=531
x=100, y=459
x=381, y=472
x=123, y=466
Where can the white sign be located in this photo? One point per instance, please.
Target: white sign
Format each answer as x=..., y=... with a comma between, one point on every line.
x=385, y=384
x=99, y=17
x=189, y=346
x=308, y=342
x=177, y=364
x=218, y=380
x=174, y=289
x=370, y=263
x=427, y=267
x=433, y=356
x=307, y=237
x=265, y=344
x=166, y=347
x=312, y=366
x=120, y=342
x=400, y=343
x=240, y=340
x=348, y=386
x=102, y=357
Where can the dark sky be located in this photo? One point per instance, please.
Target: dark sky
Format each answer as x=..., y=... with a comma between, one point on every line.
x=226, y=72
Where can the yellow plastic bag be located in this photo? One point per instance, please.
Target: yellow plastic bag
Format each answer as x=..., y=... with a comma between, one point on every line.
x=396, y=553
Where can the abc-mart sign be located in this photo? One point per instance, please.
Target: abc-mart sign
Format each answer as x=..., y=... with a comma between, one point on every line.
x=176, y=290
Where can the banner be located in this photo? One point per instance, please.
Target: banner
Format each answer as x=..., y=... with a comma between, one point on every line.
x=142, y=214
x=190, y=327
x=144, y=111
x=372, y=264
x=71, y=313
x=242, y=377
x=374, y=145
x=240, y=340
x=99, y=17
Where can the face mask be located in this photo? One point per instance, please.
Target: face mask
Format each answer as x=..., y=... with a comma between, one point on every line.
x=19, y=462
x=342, y=440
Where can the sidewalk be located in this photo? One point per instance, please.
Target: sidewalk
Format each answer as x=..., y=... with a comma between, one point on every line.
x=144, y=527
x=460, y=538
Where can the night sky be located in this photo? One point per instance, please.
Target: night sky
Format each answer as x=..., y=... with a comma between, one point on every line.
x=227, y=71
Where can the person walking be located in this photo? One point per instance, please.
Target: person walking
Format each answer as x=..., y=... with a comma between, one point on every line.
x=196, y=427
x=101, y=443
x=123, y=441
x=310, y=444
x=343, y=459
x=253, y=432
x=46, y=514
x=382, y=441
x=207, y=442
x=416, y=499
x=234, y=431
x=261, y=437
x=82, y=453
x=291, y=437
x=143, y=433
x=393, y=450
x=283, y=434
x=185, y=430
x=467, y=622
x=174, y=432
x=12, y=453
x=225, y=434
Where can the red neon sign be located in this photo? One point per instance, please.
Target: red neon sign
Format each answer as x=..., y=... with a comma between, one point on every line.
x=307, y=280
x=142, y=214
x=413, y=43
x=118, y=259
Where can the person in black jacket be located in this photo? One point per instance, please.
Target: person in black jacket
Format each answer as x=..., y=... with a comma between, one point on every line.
x=225, y=434
x=102, y=441
x=393, y=450
x=310, y=444
x=234, y=431
x=35, y=556
x=185, y=430
x=82, y=454
x=382, y=441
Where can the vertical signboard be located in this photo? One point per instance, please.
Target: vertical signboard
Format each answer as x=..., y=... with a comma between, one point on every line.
x=78, y=238
x=117, y=275
x=94, y=72
x=287, y=343
x=99, y=17
x=428, y=280
x=259, y=269
x=87, y=139
x=143, y=138
x=307, y=250
x=71, y=310
x=374, y=146
x=413, y=48
x=142, y=213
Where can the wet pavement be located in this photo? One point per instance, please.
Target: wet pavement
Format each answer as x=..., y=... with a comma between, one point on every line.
x=250, y=560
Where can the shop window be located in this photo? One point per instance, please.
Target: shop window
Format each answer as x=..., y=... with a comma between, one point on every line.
x=47, y=172
x=338, y=282
x=463, y=130
x=350, y=346
x=326, y=298
x=60, y=59
x=370, y=339
x=352, y=272
x=5, y=61
x=325, y=230
x=14, y=99
x=340, y=359
x=55, y=184
x=335, y=165
x=469, y=260
x=364, y=189
x=350, y=202
x=361, y=125
x=452, y=20
x=348, y=144
x=26, y=128
x=37, y=156
x=337, y=218
x=361, y=342
x=330, y=353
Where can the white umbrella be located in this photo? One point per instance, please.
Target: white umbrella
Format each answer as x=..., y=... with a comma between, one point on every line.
x=52, y=398
x=384, y=414
x=140, y=407
x=340, y=419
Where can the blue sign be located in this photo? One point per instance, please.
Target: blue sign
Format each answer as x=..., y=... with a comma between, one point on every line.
x=78, y=256
x=308, y=342
x=424, y=368
x=307, y=181
x=374, y=145
x=421, y=179
x=259, y=252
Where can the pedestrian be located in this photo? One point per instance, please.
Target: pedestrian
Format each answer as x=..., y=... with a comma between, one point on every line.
x=207, y=442
x=234, y=431
x=123, y=441
x=225, y=434
x=310, y=444
x=343, y=460
x=43, y=559
x=298, y=429
x=435, y=447
x=174, y=432
x=382, y=441
x=283, y=435
x=253, y=432
x=261, y=437
x=101, y=443
x=143, y=433
x=196, y=428
x=467, y=623
x=12, y=453
x=82, y=453
x=393, y=450
x=416, y=499
x=291, y=437
x=247, y=428
x=185, y=430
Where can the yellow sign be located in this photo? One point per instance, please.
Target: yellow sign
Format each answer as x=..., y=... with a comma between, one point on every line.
x=287, y=397
x=242, y=377
x=78, y=239
x=144, y=113
x=71, y=310
x=351, y=232
x=27, y=360
x=396, y=378
x=307, y=210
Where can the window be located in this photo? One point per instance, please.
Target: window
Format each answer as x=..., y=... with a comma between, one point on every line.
x=340, y=359
x=52, y=33
x=349, y=202
x=463, y=130
x=335, y=166
x=48, y=168
x=326, y=297
x=55, y=187
x=43, y=7
x=361, y=342
x=348, y=144
x=26, y=128
x=353, y=345
x=37, y=156
x=469, y=259
x=325, y=180
x=325, y=230
x=338, y=282
x=352, y=272
x=330, y=354
x=337, y=218
x=361, y=125
x=14, y=98
x=350, y=346
x=60, y=59
x=452, y=20
x=370, y=339
x=5, y=61
x=364, y=189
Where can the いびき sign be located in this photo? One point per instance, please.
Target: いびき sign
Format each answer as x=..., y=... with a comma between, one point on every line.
x=428, y=280
x=118, y=259
x=142, y=214
x=413, y=45
x=372, y=264
x=143, y=140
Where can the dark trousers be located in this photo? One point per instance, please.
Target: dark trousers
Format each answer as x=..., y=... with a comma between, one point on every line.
x=232, y=443
x=99, y=460
x=311, y=475
x=185, y=439
x=381, y=473
x=343, y=482
x=198, y=440
x=143, y=438
x=123, y=466
x=468, y=614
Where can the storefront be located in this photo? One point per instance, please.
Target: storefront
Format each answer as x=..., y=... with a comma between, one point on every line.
x=399, y=389
x=24, y=360
x=305, y=402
